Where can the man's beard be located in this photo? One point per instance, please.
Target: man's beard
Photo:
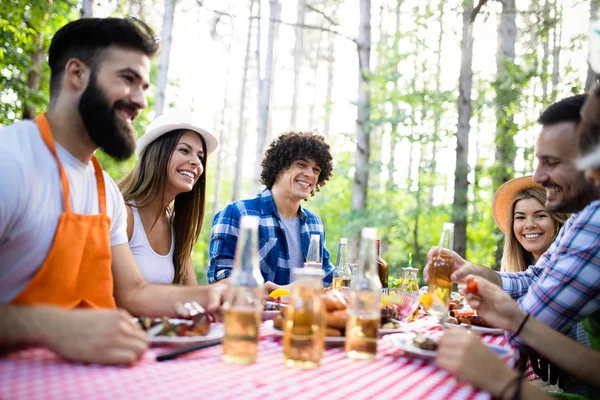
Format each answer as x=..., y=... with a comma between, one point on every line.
x=109, y=132
x=585, y=193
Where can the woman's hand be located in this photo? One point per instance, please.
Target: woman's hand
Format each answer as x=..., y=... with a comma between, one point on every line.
x=465, y=356
x=494, y=305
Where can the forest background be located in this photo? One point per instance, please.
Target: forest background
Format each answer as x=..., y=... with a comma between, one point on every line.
x=428, y=105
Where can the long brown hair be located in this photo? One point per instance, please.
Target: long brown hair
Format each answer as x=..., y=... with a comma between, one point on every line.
x=147, y=182
x=514, y=257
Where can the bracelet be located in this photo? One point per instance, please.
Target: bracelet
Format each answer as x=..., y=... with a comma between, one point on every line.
x=522, y=325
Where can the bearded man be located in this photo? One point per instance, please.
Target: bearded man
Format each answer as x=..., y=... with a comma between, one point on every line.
x=63, y=238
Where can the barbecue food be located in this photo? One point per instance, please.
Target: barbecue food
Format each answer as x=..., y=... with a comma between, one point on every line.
x=424, y=343
x=473, y=320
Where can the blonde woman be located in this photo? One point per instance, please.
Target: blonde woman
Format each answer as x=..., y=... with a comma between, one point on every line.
x=165, y=197
x=519, y=211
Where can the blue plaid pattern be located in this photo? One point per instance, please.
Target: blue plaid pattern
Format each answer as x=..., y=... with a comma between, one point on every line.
x=563, y=287
x=273, y=251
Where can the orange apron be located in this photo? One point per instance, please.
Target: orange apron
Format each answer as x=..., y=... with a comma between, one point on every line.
x=77, y=271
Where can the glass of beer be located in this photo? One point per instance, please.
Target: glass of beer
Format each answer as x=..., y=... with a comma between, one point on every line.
x=440, y=284
x=305, y=320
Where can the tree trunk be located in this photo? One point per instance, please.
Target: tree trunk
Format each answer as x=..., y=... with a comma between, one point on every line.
x=264, y=98
x=556, y=49
x=300, y=13
x=461, y=183
x=545, y=37
x=243, y=122
x=315, y=80
x=35, y=75
x=438, y=75
x=165, y=52
x=506, y=97
x=329, y=92
x=87, y=9
x=591, y=75
x=361, y=176
x=222, y=128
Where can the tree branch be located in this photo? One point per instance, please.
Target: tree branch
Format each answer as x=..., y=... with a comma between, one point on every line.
x=322, y=13
x=477, y=9
x=315, y=27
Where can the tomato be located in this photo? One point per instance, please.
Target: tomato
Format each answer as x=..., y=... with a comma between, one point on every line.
x=472, y=286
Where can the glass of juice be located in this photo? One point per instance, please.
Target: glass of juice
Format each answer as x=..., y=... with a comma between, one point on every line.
x=305, y=320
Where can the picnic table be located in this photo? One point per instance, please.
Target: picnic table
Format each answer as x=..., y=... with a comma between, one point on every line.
x=37, y=373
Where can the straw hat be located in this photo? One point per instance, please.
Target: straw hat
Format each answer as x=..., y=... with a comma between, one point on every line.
x=169, y=122
x=506, y=194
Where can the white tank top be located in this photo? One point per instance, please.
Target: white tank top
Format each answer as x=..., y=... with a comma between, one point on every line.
x=156, y=268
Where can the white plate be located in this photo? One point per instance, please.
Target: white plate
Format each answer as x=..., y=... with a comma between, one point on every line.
x=328, y=339
x=215, y=334
x=405, y=342
x=402, y=328
x=269, y=314
x=482, y=330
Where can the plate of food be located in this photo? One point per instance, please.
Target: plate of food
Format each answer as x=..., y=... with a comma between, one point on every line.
x=475, y=323
x=180, y=332
x=425, y=346
x=271, y=310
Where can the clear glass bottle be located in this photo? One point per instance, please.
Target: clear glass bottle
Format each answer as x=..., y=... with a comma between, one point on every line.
x=410, y=289
x=305, y=320
x=313, y=257
x=342, y=274
x=365, y=301
x=440, y=284
x=244, y=300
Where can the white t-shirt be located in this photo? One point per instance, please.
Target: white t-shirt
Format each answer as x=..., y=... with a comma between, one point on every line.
x=31, y=203
x=156, y=268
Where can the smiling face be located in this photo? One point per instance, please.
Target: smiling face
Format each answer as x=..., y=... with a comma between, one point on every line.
x=186, y=163
x=299, y=180
x=567, y=190
x=114, y=96
x=533, y=227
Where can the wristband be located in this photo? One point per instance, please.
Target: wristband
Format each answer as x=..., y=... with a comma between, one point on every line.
x=522, y=325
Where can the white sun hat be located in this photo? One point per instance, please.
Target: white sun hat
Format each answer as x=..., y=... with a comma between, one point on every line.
x=172, y=121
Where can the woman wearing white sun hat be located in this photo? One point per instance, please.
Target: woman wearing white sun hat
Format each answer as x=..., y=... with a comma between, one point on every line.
x=165, y=197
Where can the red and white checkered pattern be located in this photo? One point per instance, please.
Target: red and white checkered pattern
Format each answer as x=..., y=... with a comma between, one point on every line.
x=39, y=374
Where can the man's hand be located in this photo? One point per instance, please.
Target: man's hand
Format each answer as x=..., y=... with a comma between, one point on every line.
x=494, y=305
x=465, y=356
x=462, y=268
x=98, y=336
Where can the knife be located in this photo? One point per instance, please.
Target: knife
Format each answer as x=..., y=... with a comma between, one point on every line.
x=188, y=349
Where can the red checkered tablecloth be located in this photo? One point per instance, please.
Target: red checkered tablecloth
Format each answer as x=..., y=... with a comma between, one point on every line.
x=39, y=374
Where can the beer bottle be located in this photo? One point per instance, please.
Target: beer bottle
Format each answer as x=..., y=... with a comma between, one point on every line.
x=383, y=267
x=342, y=273
x=244, y=299
x=364, y=311
x=313, y=257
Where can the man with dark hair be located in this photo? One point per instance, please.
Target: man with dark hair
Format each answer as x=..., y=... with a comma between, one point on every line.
x=295, y=166
x=63, y=237
x=563, y=287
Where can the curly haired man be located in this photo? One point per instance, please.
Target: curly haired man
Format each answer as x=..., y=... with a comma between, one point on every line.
x=295, y=166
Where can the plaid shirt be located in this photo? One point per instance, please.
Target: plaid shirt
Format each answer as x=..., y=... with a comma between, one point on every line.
x=563, y=287
x=273, y=248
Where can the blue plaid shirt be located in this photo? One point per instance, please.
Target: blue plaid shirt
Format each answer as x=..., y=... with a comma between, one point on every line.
x=563, y=287
x=273, y=248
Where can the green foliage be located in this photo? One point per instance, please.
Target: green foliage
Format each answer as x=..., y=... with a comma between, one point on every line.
x=24, y=27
